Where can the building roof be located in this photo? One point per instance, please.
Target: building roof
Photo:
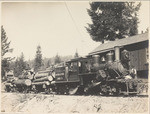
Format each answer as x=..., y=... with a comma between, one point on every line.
x=121, y=42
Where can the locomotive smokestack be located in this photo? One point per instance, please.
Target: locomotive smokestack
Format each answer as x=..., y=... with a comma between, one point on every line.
x=117, y=53
x=96, y=59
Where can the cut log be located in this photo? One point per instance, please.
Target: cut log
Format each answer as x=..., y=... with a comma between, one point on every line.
x=45, y=71
x=8, y=84
x=26, y=77
x=30, y=77
x=20, y=82
x=41, y=83
x=44, y=78
x=40, y=75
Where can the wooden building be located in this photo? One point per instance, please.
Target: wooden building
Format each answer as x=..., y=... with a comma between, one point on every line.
x=138, y=51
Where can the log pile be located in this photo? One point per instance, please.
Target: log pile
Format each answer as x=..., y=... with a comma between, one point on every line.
x=26, y=75
x=43, y=77
x=24, y=79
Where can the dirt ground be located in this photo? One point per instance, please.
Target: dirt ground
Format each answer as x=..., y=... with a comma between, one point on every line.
x=16, y=102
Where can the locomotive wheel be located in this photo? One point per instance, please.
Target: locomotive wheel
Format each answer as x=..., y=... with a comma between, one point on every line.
x=24, y=91
x=48, y=90
x=110, y=88
x=62, y=90
x=13, y=89
x=103, y=90
x=115, y=91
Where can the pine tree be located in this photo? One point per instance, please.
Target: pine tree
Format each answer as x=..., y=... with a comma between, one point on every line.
x=17, y=70
x=5, y=45
x=38, y=59
x=48, y=63
x=20, y=65
x=22, y=62
x=113, y=20
x=57, y=59
x=4, y=69
x=5, y=48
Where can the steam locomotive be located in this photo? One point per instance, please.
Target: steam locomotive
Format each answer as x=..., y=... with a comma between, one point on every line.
x=105, y=74
x=90, y=75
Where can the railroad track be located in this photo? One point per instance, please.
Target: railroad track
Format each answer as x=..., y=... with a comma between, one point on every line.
x=53, y=94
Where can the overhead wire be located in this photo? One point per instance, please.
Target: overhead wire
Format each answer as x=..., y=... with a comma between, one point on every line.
x=81, y=36
x=73, y=21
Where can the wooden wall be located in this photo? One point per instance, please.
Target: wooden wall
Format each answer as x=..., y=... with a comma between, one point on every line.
x=138, y=59
x=138, y=55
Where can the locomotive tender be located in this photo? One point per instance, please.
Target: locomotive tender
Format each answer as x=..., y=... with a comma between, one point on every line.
x=109, y=74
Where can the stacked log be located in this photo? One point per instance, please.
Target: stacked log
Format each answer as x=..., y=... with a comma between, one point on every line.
x=26, y=77
x=41, y=83
x=22, y=82
x=43, y=77
x=45, y=71
x=8, y=84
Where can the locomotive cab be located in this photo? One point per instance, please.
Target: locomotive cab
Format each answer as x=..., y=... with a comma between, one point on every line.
x=68, y=72
x=73, y=70
x=67, y=80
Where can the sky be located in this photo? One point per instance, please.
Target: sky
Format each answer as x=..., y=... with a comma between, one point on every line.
x=58, y=27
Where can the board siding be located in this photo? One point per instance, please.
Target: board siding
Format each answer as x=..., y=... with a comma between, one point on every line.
x=138, y=59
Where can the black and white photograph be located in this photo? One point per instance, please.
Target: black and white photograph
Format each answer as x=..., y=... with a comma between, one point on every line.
x=74, y=56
